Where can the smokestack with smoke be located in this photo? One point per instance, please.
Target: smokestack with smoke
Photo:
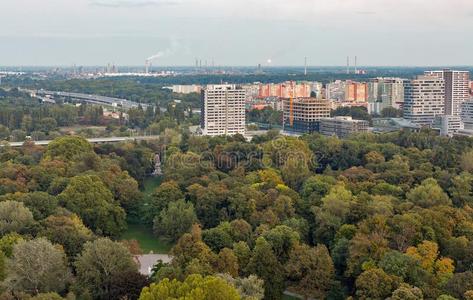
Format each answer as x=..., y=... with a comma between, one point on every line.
x=150, y=59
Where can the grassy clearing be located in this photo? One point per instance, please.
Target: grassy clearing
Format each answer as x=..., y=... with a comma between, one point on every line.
x=144, y=233
x=150, y=184
x=148, y=242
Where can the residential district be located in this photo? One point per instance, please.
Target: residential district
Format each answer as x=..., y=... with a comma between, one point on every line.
x=440, y=100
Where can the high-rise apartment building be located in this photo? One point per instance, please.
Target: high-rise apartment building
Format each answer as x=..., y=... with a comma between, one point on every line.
x=347, y=91
x=316, y=89
x=424, y=99
x=285, y=90
x=335, y=90
x=303, y=114
x=356, y=91
x=223, y=110
x=385, y=92
x=456, y=89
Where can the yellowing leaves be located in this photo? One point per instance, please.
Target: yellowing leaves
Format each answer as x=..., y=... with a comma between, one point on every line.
x=427, y=255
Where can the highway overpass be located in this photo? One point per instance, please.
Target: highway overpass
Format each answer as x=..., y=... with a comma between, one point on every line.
x=95, y=99
x=91, y=140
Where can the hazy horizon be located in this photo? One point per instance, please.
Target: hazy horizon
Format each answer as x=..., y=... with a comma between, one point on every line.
x=402, y=33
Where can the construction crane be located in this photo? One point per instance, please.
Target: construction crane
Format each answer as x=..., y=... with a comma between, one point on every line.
x=291, y=105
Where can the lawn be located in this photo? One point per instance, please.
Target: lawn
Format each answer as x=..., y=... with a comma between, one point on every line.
x=143, y=233
x=148, y=242
x=150, y=184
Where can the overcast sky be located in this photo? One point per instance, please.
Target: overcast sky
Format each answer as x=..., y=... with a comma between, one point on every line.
x=236, y=32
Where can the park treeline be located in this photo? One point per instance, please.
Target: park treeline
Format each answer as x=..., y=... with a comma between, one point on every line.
x=384, y=216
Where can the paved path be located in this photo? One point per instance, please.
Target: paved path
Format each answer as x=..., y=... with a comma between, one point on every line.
x=147, y=261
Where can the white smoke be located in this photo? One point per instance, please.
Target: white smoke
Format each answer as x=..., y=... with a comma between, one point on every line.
x=155, y=56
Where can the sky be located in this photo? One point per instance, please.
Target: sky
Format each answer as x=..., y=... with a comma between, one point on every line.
x=236, y=32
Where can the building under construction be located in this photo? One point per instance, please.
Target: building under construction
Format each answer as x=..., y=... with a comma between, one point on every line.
x=303, y=114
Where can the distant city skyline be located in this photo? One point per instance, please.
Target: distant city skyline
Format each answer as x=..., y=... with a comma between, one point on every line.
x=236, y=33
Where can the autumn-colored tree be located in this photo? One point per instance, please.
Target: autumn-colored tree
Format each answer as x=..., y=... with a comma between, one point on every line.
x=368, y=245
x=428, y=194
x=190, y=247
x=407, y=292
x=375, y=284
x=227, y=262
x=310, y=271
x=68, y=231
x=427, y=255
x=194, y=287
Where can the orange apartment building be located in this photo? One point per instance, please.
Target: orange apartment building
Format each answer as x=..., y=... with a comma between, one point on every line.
x=284, y=90
x=356, y=91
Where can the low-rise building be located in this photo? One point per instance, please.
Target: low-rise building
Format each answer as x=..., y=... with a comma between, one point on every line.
x=466, y=114
x=448, y=125
x=184, y=89
x=381, y=125
x=342, y=126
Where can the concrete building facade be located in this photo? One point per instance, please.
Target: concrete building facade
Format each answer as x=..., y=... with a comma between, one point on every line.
x=385, y=92
x=424, y=99
x=467, y=114
x=448, y=125
x=304, y=114
x=285, y=90
x=342, y=126
x=223, y=110
x=335, y=90
x=457, y=90
x=356, y=91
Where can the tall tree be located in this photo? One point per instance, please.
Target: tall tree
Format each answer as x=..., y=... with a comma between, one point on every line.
x=14, y=217
x=101, y=263
x=37, y=266
x=194, y=287
x=68, y=147
x=88, y=197
x=310, y=271
x=265, y=265
x=176, y=220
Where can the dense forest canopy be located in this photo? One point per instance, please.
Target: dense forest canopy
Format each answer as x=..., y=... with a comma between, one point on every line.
x=369, y=217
